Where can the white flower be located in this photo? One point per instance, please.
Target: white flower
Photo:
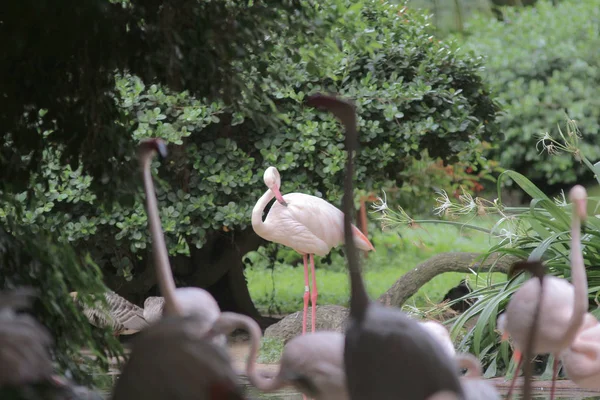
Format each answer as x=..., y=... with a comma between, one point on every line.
x=561, y=200
x=381, y=204
x=468, y=203
x=443, y=201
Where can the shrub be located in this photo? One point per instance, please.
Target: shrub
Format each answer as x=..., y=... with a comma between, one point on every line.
x=414, y=97
x=542, y=63
x=540, y=231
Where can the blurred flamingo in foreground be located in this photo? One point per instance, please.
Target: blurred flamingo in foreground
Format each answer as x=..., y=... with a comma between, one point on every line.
x=563, y=305
x=307, y=224
x=582, y=359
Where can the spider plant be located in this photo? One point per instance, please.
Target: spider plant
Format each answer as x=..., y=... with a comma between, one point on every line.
x=539, y=231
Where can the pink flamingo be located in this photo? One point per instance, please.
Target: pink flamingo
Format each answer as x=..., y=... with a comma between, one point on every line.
x=441, y=335
x=582, y=359
x=563, y=305
x=307, y=224
x=474, y=386
x=312, y=363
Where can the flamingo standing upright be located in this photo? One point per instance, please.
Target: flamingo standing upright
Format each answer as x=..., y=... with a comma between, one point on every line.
x=582, y=359
x=562, y=308
x=172, y=359
x=307, y=224
x=177, y=301
x=387, y=354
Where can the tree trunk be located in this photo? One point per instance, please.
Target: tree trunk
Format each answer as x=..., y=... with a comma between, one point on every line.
x=413, y=280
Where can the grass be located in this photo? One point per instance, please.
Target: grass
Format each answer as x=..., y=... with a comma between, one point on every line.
x=279, y=290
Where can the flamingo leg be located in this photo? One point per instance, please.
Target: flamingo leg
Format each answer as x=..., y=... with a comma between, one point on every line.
x=554, y=376
x=314, y=293
x=306, y=293
x=516, y=375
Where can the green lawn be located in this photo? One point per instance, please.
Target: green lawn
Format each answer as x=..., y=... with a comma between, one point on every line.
x=280, y=290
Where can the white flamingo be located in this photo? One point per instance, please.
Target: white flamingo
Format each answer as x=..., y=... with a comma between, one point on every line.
x=307, y=224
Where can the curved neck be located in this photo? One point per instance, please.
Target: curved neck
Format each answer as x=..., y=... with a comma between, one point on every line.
x=359, y=299
x=260, y=382
x=579, y=281
x=166, y=283
x=257, y=222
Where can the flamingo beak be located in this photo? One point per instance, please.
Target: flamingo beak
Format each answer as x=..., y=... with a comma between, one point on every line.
x=278, y=196
x=161, y=149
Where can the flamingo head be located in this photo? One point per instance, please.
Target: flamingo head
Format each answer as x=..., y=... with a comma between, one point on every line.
x=273, y=182
x=578, y=197
x=153, y=145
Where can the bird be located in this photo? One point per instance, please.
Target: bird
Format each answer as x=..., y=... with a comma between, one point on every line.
x=460, y=290
x=153, y=308
x=24, y=342
x=581, y=360
x=174, y=358
x=474, y=386
x=121, y=316
x=177, y=301
x=386, y=353
x=307, y=224
x=311, y=363
x=441, y=335
x=562, y=309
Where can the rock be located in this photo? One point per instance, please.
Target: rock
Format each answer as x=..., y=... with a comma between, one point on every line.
x=329, y=318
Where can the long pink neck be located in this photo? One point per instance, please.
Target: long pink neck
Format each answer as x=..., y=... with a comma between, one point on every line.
x=261, y=383
x=579, y=281
x=159, y=248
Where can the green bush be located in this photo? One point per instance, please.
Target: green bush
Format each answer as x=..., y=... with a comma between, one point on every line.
x=542, y=62
x=414, y=95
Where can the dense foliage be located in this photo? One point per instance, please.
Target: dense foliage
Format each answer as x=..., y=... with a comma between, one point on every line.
x=540, y=231
x=35, y=260
x=414, y=97
x=542, y=63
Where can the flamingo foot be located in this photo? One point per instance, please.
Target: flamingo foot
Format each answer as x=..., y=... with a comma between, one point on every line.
x=554, y=376
x=306, y=294
x=517, y=355
x=315, y=293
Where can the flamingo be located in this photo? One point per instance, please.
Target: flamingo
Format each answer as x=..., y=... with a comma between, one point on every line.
x=307, y=224
x=441, y=335
x=173, y=358
x=582, y=359
x=122, y=316
x=177, y=301
x=562, y=308
x=312, y=363
x=386, y=353
x=475, y=387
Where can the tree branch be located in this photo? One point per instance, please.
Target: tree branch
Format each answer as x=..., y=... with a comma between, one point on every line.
x=413, y=280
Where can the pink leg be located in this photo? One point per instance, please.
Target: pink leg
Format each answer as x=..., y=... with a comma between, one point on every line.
x=314, y=293
x=514, y=379
x=306, y=294
x=554, y=376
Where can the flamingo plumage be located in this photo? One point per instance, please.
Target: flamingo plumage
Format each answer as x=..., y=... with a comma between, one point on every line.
x=582, y=359
x=563, y=306
x=307, y=224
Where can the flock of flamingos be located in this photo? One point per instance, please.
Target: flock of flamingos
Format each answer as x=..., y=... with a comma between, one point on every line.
x=384, y=354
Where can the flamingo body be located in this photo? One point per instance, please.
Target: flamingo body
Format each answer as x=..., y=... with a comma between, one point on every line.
x=309, y=225
x=555, y=313
x=314, y=364
x=582, y=359
x=441, y=335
